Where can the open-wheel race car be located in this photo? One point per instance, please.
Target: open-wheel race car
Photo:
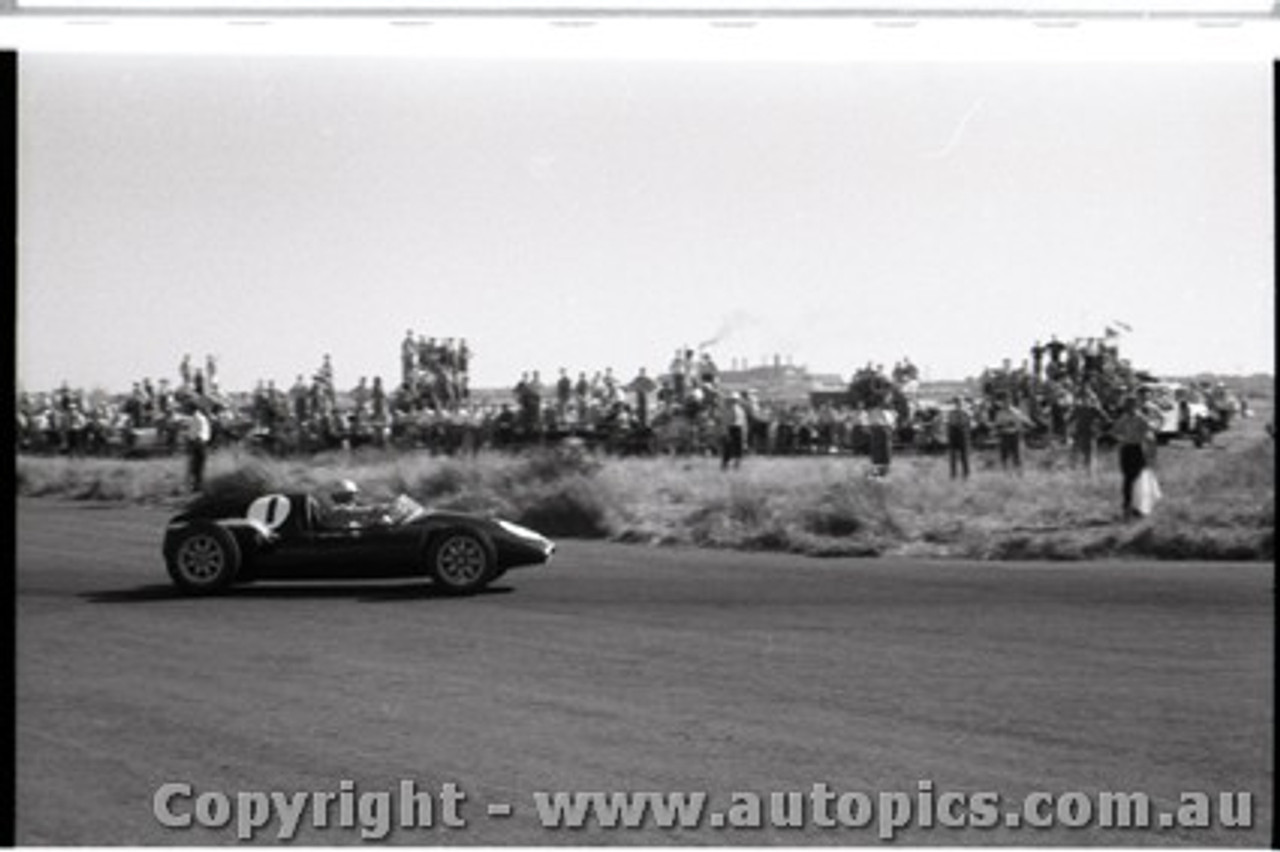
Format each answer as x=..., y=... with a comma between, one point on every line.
x=297, y=536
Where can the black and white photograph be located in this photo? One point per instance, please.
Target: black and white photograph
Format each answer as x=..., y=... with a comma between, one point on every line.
x=663, y=430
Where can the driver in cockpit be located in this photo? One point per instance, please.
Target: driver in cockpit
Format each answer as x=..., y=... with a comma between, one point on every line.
x=339, y=507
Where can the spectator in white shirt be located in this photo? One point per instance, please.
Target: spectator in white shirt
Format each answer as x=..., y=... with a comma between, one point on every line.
x=199, y=433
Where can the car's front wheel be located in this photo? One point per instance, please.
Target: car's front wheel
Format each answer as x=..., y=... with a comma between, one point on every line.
x=460, y=563
x=204, y=559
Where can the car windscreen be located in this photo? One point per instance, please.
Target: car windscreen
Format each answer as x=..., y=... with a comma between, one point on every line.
x=404, y=509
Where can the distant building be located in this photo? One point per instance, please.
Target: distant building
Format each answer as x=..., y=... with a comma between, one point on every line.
x=777, y=380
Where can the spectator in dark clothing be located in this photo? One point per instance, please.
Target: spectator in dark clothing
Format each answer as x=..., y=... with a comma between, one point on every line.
x=1087, y=423
x=408, y=361
x=564, y=393
x=880, y=419
x=1055, y=349
x=1135, y=437
x=644, y=388
x=1009, y=424
x=959, y=437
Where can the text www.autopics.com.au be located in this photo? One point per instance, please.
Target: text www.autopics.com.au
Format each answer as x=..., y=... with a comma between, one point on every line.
x=374, y=814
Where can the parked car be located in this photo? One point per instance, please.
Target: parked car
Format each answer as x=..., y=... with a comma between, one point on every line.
x=1178, y=412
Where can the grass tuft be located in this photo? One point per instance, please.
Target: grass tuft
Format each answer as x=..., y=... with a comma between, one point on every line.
x=1219, y=502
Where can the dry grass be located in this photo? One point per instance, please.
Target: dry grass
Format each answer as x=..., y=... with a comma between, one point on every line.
x=1219, y=502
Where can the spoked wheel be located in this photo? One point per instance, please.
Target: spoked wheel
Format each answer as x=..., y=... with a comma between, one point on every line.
x=460, y=563
x=204, y=559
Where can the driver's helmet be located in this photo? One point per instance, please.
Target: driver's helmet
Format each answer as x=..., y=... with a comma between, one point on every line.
x=344, y=492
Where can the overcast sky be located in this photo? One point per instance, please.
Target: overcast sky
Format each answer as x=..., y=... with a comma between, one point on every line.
x=591, y=213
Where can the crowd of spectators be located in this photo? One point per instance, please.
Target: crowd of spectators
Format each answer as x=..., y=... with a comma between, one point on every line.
x=691, y=387
x=150, y=416
x=1063, y=391
x=1058, y=376
x=689, y=409
x=1060, y=379
x=434, y=373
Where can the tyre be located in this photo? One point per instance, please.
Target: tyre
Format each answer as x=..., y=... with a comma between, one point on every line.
x=460, y=562
x=204, y=559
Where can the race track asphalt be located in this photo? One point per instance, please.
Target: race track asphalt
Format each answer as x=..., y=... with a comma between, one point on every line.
x=627, y=668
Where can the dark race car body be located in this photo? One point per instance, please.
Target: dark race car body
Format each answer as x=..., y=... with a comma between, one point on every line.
x=290, y=537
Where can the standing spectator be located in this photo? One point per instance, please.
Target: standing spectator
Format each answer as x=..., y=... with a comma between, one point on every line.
x=148, y=401
x=582, y=393
x=134, y=406
x=446, y=372
x=211, y=372
x=164, y=399
x=880, y=421
x=536, y=389
x=360, y=398
x=1135, y=437
x=1087, y=423
x=759, y=420
x=1060, y=406
x=1150, y=411
x=199, y=433
x=184, y=370
x=564, y=393
x=77, y=427
x=679, y=373
x=959, y=437
x=528, y=398
x=408, y=349
x=609, y=387
x=378, y=412
x=425, y=354
x=1091, y=366
x=260, y=405
x=735, y=419
x=1055, y=349
x=708, y=373
x=464, y=355
x=378, y=400
x=462, y=379
x=643, y=386
x=1073, y=362
x=324, y=381
x=273, y=408
x=1009, y=424
x=464, y=387
x=299, y=394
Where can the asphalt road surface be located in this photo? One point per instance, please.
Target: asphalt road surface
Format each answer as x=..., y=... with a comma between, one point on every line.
x=626, y=668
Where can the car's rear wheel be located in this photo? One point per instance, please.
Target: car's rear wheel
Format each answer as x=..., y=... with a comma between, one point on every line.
x=204, y=559
x=460, y=563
